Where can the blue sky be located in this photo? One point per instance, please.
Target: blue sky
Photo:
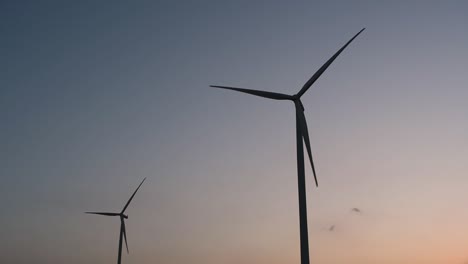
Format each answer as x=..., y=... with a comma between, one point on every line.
x=95, y=96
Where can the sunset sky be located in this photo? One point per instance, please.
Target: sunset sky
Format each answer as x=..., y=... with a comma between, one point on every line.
x=97, y=95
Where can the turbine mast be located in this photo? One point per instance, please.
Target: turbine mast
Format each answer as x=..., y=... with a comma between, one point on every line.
x=301, y=185
x=119, y=260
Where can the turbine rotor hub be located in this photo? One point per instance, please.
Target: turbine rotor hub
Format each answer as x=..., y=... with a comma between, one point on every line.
x=297, y=101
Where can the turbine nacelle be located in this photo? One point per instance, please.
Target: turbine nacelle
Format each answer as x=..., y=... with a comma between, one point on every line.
x=296, y=97
x=297, y=101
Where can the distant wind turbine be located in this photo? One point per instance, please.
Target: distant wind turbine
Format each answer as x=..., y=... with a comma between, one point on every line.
x=301, y=134
x=122, y=222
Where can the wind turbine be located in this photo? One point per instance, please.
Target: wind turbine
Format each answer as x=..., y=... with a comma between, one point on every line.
x=122, y=222
x=301, y=134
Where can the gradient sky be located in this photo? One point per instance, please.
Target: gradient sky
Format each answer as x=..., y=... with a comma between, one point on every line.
x=97, y=95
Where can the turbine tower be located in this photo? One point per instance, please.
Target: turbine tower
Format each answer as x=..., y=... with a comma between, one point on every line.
x=302, y=135
x=123, y=232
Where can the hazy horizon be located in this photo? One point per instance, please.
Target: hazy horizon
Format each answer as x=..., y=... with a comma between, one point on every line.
x=95, y=96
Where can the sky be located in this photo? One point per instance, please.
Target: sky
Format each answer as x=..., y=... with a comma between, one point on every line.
x=97, y=95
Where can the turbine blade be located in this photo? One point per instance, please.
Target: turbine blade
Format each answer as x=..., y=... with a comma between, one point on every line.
x=103, y=213
x=124, y=233
x=324, y=67
x=270, y=95
x=305, y=136
x=129, y=200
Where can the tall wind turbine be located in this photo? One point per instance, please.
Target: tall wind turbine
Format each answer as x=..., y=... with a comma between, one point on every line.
x=122, y=216
x=301, y=134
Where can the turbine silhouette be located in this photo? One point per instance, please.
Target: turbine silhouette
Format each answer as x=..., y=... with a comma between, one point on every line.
x=122, y=216
x=302, y=134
